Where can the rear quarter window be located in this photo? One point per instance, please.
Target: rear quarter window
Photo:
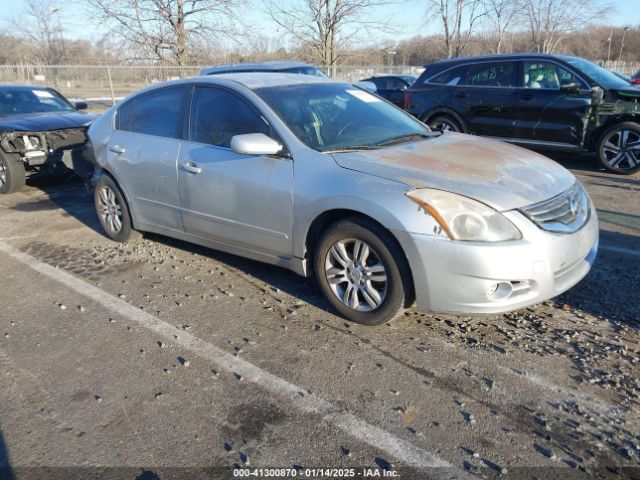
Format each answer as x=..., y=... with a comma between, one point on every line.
x=452, y=76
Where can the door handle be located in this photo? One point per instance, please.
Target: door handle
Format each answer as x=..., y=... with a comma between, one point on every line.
x=117, y=149
x=191, y=168
x=460, y=94
x=526, y=96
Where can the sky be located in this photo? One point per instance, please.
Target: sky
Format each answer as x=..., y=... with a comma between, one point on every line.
x=409, y=16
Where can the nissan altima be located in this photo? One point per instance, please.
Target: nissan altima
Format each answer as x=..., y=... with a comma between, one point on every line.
x=330, y=181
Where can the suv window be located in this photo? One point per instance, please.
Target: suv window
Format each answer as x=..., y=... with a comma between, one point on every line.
x=380, y=83
x=395, y=83
x=492, y=74
x=157, y=113
x=217, y=115
x=547, y=75
x=450, y=77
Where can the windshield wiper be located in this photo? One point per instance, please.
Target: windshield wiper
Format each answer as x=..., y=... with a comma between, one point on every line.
x=353, y=148
x=407, y=137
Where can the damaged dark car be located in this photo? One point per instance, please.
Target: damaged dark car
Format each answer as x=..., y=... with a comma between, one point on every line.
x=551, y=103
x=40, y=132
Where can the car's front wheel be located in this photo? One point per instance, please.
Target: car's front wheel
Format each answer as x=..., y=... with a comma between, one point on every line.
x=363, y=272
x=113, y=211
x=12, y=174
x=619, y=148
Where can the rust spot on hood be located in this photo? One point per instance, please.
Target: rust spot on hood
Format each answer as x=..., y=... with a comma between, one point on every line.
x=501, y=175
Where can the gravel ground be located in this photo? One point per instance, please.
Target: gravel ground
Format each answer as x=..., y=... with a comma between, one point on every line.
x=90, y=391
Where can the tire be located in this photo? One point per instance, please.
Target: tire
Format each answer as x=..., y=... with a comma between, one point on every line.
x=12, y=174
x=444, y=123
x=344, y=282
x=113, y=211
x=618, y=148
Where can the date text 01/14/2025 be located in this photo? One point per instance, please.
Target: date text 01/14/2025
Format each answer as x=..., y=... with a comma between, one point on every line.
x=287, y=473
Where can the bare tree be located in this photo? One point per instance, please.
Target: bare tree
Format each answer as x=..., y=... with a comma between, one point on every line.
x=162, y=29
x=550, y=21
x=324, y=26
x=41, y=25
x=458, y=18
x=500, y=16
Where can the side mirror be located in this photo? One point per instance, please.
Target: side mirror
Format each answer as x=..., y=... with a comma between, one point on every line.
x=81, y=105
x=570, y=88
x=255, y=144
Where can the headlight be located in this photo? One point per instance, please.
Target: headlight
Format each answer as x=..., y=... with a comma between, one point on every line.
x=463, y=218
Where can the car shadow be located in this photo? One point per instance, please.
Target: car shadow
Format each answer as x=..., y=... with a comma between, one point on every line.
x=608, y=291
x=68, y=192
x=6, y=472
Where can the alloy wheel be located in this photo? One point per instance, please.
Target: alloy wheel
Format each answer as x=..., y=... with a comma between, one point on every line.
x=621, y=149
x=444, y=126
x=356, y=275
x=3, y=174
x=110, y=209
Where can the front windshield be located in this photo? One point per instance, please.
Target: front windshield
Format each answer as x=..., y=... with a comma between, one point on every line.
x=330, y=116
x=598, y=74
x=31, y=100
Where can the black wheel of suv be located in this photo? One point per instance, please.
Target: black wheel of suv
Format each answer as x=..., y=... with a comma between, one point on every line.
x=444, y=123
x=112, y=209
x=363, y=272
x=619, y=148
x=12, y=174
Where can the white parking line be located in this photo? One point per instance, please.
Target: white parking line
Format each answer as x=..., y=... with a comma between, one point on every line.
x=626, y=251
x=19, y=237
x=307, y=403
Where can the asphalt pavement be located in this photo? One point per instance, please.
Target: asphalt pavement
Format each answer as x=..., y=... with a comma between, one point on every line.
x=159, y=359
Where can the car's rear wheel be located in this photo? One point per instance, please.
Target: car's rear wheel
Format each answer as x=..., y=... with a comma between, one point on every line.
x=113, y=211
x=12, y=174
x=619, y=148
x=363, y=272
x=444, y=123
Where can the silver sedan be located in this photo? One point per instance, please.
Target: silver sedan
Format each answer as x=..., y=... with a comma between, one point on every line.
x=327, y=179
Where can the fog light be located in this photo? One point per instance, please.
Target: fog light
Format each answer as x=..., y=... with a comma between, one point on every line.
x=499, y=291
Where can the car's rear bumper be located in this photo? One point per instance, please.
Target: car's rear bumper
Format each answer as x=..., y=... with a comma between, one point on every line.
x=458, y=277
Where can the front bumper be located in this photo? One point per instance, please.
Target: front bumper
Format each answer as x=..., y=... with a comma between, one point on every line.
x=459, y=277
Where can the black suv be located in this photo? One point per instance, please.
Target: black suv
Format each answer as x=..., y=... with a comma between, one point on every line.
x=543, y=102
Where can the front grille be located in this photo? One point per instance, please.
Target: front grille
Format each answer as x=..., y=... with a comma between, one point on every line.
x=565, y=213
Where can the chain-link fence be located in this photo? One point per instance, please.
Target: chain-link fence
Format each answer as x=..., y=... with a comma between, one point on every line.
x=618, y=66
x=109, y=82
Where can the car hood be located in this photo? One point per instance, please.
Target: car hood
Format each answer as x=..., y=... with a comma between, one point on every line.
x=500, y=175
x=39, y=122
x=630, y=91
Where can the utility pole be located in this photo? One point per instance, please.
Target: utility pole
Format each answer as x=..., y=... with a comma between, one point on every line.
x=622, y=43
x=609, y=41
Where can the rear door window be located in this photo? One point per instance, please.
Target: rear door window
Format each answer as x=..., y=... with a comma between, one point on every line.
x=491, y=74
x=217, y=115
x=157, y=113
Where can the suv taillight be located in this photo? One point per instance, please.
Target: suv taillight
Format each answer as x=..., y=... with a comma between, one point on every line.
x=407, y=99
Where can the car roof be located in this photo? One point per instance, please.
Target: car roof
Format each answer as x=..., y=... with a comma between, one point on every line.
x=15, y=86
x=274, y=66
x=250, y=80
